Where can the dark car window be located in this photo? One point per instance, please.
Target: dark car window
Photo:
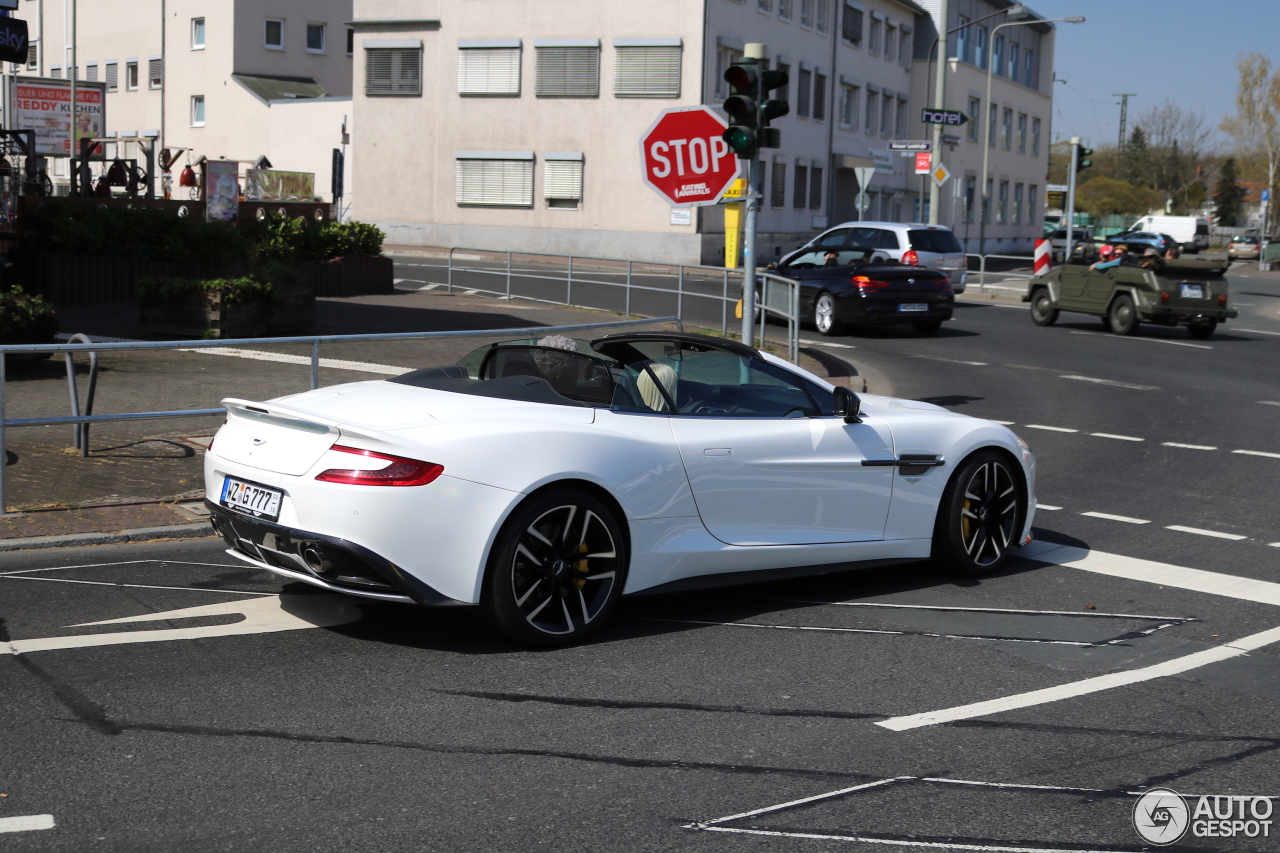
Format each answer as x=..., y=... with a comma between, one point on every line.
x=942, y=242
x=714, y=384
x=887, y=240
x=866, y=237
x=1201, y=228
x=836, y=238
x=818, y=258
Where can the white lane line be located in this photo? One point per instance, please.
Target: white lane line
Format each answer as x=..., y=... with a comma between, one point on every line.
x=1003, y=423
x=1116, y=437
x=943, y=607
x=1147, y=340
x=976, y=364
x=1258, y=453
x=1047, y=507
x=1252, y=331
x=394, y=280
x=895, y=842
x=804, y=801
x=826, y=344
x=1181, y=529
x=1235, y=649
x=1274, y=544
x=1109, y=517
x=1188, y=446
x=1051, y=428
x=13, y=577
x=1113, y=382
x=1013, y=785
x=1149, y=571
x=26, y=823
x=822, y=630
x=121, y=563
x=283, y=358
x=1268, y=403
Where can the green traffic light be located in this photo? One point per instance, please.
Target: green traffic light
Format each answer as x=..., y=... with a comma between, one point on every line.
x=741, y=140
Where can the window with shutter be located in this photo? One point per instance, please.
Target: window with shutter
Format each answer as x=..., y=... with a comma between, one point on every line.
x=562, y=183
x=851, y=25
x=802, y=93
x=494, y=181
x=778, y=196
x=568, y=72
x=802, y=184
x=648, y=71
x=113, y=77
x=489, y=71
x=33, y=55
x=820, y=97
x=91, y=71
x=155, y=73
x=393, y=71
x=815, y=188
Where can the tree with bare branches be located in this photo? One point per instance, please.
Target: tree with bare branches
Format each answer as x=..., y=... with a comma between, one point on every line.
x=1255, y=128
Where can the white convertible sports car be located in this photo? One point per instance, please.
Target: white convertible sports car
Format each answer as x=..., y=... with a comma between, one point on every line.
x=542, y=479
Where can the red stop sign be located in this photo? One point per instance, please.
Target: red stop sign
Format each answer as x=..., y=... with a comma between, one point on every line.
x=684, y=159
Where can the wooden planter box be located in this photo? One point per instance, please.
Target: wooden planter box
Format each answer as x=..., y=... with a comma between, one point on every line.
x=205, y=316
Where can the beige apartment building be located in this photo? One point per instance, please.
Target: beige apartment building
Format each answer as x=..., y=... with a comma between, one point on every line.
x=233, y=80
x=1012, y=127
x=515, y=124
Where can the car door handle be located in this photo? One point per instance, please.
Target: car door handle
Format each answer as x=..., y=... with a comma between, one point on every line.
x=907, y=460
x=718, y=451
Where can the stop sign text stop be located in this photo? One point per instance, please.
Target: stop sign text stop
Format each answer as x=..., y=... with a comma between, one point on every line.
x=684, y=158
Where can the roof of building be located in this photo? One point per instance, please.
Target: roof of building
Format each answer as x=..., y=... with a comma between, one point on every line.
x=271, y=88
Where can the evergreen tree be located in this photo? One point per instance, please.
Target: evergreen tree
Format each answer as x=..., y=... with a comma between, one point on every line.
x=1136, y=159
x=1228, y=195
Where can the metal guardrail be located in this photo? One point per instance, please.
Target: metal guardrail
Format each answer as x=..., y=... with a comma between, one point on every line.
x=777, y=295
x=314, y=340
x=982, y=268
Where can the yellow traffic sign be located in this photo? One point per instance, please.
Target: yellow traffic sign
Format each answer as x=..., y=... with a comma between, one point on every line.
x=940, y=174
x=737, y=189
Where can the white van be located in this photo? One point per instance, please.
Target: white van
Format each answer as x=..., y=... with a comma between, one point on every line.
x=1190, y=231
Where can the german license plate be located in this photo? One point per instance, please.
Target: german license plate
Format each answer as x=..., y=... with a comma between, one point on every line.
x=251, y=498
x=1193, y=291
x=913, y=306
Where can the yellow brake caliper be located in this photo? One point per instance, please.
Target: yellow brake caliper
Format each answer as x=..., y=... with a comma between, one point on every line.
x=581, y=566
x=964, y=521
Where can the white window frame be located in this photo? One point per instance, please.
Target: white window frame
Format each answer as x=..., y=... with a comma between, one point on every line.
x=324, y=37
x=489, y=67
x=562, y=179
x=197, y=34
x=197, y=111
x=647, y=67
x=154, y=64
x=33, y=55
x=493, y=178
x=131, y=75
x=975, y=118
x=1035, y=137
x=786, y=9
x=400, y=54
x=567, y=81
x=872, y=111
x=55, y=71
x=850, y=103
x=822, y=17
x=268, y=45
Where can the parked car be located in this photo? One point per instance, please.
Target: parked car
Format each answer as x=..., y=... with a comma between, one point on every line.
x=1190, y=232
x=1080, y=236
x=933, y=246
x=1140, y=241
x=1244, y=246
x=861, y=287
x=543, y=479
x=1187, y=292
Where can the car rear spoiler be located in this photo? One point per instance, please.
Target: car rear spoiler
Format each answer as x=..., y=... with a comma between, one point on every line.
x=299, y=419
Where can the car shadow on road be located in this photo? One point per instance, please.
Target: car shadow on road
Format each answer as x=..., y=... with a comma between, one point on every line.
x=904, y=330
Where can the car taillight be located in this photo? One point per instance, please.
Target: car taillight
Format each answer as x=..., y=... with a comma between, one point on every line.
x=1222, y=300
x=910, y=257
x=865, y=284
x=943, y=283
x=1164, y=297
x=401, y=471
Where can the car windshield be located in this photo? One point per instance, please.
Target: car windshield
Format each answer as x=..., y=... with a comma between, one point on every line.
x=1250, y=240
x=839, y=258
x=933, y=240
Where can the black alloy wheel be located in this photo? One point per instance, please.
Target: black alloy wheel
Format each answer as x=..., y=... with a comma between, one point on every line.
x=824, y=315
x=556, y=570
x=1122, y=318
x=927, y=327
x=979, y=516
x=1042, y=311
x=1202, y=329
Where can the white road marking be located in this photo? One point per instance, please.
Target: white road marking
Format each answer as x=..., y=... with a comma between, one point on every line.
x=951, y=360
x=1113, y=382
x=1181, y=529
x=26, y=823
x=121, y=563
x=826, y=344
x=1148, y=340
x=1085, y=613
x=1013, y=785
x=394, y=280
x=1149, y=571
x=283, y=358
x=261, y=616
x=1235, y=649
x=1003, y=423
x=895, y=842
x=1274, y=544
x=1109, y=517
x=1268, y=403
x=805, y=801
x=1188, y=446
x=1116, y=437
x=1258, y=453
x=1252, y=331
x=1051, y=428
x=17, y=577
x=822, y=630
x=1048, y=507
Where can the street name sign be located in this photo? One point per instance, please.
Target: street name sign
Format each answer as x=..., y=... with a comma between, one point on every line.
x=951, y=117
x=685, y=160
x=911, y=146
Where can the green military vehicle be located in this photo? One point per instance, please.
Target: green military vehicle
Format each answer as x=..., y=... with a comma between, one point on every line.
x=1191, y=293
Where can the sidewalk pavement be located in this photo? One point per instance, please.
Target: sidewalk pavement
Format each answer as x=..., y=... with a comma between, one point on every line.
x=136, y=485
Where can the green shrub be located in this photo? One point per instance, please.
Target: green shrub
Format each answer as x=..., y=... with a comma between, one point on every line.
x=26, y=319
x=282, y=238
x=138, y=233
x=169, y=290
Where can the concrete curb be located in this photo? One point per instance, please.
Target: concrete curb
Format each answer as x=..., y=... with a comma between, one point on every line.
x=71, y=540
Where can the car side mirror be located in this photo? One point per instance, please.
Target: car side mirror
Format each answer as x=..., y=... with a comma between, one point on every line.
x=847, y=405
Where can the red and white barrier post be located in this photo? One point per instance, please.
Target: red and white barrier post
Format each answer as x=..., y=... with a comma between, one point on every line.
x=1043, y=257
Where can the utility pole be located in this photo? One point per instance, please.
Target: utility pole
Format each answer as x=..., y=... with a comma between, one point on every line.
x=939, y=102
x=1124, y=112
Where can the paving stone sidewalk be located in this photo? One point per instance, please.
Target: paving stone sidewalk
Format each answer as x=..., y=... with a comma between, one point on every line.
x=137, y=478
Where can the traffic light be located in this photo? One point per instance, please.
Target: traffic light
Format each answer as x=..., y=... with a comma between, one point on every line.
x=1082, y=157
x=743, y=78
x=771, y=108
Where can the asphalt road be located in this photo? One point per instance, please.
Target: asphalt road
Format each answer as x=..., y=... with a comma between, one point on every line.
x=834, y=713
